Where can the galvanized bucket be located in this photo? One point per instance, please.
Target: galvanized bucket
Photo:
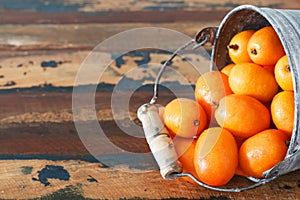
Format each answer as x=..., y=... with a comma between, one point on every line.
x=287, y=25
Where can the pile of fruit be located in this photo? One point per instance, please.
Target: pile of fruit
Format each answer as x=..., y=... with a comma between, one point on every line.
x=242, y=119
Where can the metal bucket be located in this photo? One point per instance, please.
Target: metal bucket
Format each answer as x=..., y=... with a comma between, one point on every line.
x=287, y=26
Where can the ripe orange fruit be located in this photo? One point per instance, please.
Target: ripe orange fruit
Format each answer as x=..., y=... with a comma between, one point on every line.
x=264, y=47
x=237, y=48
x=226, y=70
x=210, y=88
x=240, y=172
x=253, y=80
x=239, y=141
x=216, y=156
x=270, y=68
x=282, y=111
x=184, y=117
x=283, y=74
x=185, y=149
x=242, y=115
x=262, y=151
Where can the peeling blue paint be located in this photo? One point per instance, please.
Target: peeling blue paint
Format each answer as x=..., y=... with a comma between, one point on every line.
x=26, y=170
x=144, y=56
x=40, y=5
x=91, y=179
x=52, y=172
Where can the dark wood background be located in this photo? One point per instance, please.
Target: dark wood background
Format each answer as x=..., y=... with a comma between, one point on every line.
x=42, y=46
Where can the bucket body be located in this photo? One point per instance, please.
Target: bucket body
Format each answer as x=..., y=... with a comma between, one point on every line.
x=287, y=26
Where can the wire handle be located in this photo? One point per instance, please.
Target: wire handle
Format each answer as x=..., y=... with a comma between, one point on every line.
x=206, y=35
x=259, y=182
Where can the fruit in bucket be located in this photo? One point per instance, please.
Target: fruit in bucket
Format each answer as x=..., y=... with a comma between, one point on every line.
x=216, y=156
x=249, y=112
x=185, y=149
x=210, y=88
x=227, y=69
x=262, y=151
x=283, y=74
x=242, y=115
x=282, y=111
x=185, y=117
x=237, y=47
x=264, y=46
x=253, y=80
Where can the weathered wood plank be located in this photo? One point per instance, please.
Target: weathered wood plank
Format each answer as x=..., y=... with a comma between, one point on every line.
x=27, y=179
x=90, y=6
x=60, y=68
x=81, y=11
x=41, y=153
x=38, y=145
x=37, y=124
x=80, y=36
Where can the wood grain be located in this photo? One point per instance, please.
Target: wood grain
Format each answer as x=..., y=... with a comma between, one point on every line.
x=45, y=144
x=87, y=180
x=42, y=46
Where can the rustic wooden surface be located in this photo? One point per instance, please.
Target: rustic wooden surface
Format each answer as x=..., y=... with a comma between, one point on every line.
x=42, y=46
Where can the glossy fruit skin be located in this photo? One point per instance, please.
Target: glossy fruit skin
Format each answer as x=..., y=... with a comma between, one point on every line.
x=283, y=74
x=270, y=68
x=219, y=165
x=262, y=151
x=227, y=69
x=242, y=115
x=237, y=48
x=210, y=88
x=264, y=47
x=253, y=80
x=282, y=111
x=185, y=149
x=185, y=117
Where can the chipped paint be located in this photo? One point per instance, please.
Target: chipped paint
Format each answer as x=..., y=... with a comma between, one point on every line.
x=26, y=169
x=52, y=172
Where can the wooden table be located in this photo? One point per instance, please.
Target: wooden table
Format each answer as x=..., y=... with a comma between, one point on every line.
x=42, y=154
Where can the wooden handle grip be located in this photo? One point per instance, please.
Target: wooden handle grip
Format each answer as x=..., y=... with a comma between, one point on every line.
x=159, y=141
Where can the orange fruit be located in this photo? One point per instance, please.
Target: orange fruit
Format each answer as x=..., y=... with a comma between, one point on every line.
x=253, y=80
x=282, y=111
x=239, y=141
x=185, y=117
x=216, y=156
x=283, y=74
x=237, y=47
x=240, y=172
x=185, y=149
x=210, y=88
x=262, y=151
x=242, y=115
x=226, y=70
x=270, y=68
x=264, y=47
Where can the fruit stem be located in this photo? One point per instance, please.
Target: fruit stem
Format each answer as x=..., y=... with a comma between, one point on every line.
x=288, y=68
x=254, y=52
x=233, y=46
